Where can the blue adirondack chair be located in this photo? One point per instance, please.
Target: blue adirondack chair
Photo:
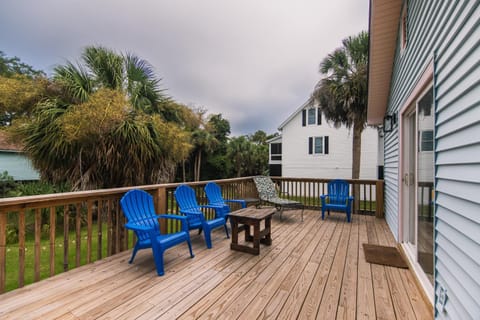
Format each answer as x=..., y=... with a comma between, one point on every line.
x=214, y=196
x=337, y=199
x=137, y=205
x=187, y=203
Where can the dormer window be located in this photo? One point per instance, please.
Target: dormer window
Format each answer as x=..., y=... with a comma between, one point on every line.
x=311, y=116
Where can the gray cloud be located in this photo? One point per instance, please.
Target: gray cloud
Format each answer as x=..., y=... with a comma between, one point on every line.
x=253, y=61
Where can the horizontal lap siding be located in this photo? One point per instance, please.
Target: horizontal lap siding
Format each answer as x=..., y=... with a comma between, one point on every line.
x=450, y=31
x=458, y=164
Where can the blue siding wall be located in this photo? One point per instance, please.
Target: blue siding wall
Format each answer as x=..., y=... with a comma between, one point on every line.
x=449, y=33
x=18, y=166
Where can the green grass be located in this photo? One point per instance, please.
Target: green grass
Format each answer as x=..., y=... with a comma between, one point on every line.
x=12, y=256
x=315, y=202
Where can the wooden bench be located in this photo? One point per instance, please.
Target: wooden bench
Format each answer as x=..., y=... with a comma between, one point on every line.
x=251, y=217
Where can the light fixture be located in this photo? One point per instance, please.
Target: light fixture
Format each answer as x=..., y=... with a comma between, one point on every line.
x=389, y=122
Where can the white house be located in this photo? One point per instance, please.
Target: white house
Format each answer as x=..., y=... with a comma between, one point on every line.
x=424, y=86
x=311, y=147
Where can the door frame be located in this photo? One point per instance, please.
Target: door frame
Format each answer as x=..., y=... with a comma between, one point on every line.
x=425, y=81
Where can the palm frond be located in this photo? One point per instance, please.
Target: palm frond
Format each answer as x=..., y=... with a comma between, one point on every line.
x=75, y=80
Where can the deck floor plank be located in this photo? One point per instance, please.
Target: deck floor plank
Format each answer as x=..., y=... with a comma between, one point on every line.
x=308, y=291
x=275, y=304
x=383, y=300
x=347, y=306
x=315, y=269
x=365, y=297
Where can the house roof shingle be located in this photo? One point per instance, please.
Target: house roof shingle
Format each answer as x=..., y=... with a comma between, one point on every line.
x=7, y=145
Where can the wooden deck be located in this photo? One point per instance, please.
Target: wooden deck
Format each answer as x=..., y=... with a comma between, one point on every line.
x=314, y=269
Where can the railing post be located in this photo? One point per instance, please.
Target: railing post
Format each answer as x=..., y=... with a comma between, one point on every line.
x=160, y=202
x=379, y=210
x=3, y=250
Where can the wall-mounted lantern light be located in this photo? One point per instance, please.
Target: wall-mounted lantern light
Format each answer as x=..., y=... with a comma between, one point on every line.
x=389, y=122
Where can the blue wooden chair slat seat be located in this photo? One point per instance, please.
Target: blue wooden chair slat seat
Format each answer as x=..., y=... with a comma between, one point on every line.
x=338, y=198
x=214, y=196
x=187, y=203
x=137, y=206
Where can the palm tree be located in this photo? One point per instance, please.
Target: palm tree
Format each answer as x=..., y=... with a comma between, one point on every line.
x=104, y=68
x=342, y=93
x=107, y=127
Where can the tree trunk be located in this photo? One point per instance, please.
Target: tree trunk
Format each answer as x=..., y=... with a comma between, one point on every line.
x=197, y=166
x=183, y=171
x=356, y=149
x=356, y=154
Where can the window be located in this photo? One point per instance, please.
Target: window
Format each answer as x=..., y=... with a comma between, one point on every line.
x=275, y=151
x=426, y=140
x=311, y=116
x=318, y=141
x=318, y=145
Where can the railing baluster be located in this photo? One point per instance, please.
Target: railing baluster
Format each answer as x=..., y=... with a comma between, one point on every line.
x=100, y=209
x=78, y=236
x=21, y=248
x=37, y=246
x=3, y=250
x=52, y=239
x=109, y=228
x=66, y=229
x=89, y=230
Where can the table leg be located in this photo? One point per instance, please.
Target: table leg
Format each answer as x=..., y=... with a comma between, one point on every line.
x=248, y=235
x=268, y=235
x=234, y=224
x=256, y=237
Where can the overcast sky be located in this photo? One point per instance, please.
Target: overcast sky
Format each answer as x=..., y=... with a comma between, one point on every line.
x=253, y=61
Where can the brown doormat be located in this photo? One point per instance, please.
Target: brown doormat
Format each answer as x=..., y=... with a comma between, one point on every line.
x=387, y=256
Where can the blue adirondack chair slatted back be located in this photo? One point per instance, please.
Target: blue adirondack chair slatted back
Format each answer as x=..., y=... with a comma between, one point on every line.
x=138, y=208
x=137, y=205
x=187, y=201
x=214, y=194
x=338, y=191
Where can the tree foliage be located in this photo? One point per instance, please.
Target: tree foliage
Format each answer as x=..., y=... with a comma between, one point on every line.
x=13, y=66
x=248, y=155
x=109, y=126
x=342, y=92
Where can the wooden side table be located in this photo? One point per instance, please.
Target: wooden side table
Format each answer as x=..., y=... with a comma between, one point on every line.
x=251, y=217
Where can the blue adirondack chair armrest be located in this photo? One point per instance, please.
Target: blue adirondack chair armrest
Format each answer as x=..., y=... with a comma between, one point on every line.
x=218, y=208
x=242, y=202
x=324, y=197
x=183, y=219
x=192, y=213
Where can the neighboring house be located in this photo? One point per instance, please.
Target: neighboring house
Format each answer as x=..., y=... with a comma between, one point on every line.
x=13, y=160
x=311, y=147
x=424, y=86
x=275, y=156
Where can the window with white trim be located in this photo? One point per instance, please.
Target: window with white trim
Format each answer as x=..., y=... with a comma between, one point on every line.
x=426, y=140
x=318, y=145
x=311, y=116
x=275, y=151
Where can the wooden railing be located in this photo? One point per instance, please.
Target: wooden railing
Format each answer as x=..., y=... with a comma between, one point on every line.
x=49, y=234
x=368, y=194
